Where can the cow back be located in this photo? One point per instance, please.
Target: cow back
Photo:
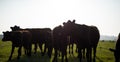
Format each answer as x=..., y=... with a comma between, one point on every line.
x=94, y=35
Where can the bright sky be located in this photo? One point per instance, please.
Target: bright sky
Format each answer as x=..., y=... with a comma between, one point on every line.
x=105, y=14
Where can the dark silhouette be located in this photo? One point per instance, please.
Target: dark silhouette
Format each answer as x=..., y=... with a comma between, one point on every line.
x=117, y=50
x=80, y=34
x=94, y=39
x=39, y=36
x=19, y=39
x=59, y=43
x=71, y=43
x=85, y=37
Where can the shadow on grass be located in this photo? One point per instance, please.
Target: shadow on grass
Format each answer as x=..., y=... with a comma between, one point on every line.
x=34, y=58
x=73, y=59
x=99, y=59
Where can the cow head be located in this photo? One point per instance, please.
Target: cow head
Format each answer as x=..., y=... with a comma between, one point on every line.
x=68, y=26
x=6, y=36
x=68, y=23
x=15, y=28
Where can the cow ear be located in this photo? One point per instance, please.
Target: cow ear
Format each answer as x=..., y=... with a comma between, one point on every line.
x=3, y=32
x=11, y=27
x=64, y=23
x=74, y=21
x=69, y=21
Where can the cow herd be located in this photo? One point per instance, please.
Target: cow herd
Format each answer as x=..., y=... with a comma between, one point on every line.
x=85, y=37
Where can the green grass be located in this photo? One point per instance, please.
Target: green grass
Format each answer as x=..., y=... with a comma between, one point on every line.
x=103, y=54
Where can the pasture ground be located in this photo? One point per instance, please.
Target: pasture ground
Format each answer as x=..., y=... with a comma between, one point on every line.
x=103, y=54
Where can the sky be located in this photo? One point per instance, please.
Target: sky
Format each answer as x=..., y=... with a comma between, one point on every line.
x=105, y=14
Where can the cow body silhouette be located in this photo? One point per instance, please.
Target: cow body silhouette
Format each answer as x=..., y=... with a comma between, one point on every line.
x=19, y=39
x=85, y=37
x=94, y=39
x=40, y=36
x=59, y=43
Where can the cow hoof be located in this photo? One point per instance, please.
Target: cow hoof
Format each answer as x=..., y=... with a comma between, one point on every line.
x=18, y=57
x=54, y=60
x=66, y=60
x=43, y=54
x=35, y=52
x=49, y=56
x=9, y=60
x=28, y=55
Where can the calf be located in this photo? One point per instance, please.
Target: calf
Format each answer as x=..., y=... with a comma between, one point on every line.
x=19, y=39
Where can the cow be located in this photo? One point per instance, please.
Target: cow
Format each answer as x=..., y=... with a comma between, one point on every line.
x=84, y=36
x=94, y=39
x=78, y=33
x=18, y=39
x=59, y=43
x=40, y=36
x=117, y=50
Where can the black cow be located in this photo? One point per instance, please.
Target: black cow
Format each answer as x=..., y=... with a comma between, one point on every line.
x=80, y=34
x=19, y=39
x=59, y=43
x=39, y=36
x=117, y=50
x=94, y=39
x=85, y=37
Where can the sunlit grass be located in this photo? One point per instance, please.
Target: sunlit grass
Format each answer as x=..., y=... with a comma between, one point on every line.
x=103, y=54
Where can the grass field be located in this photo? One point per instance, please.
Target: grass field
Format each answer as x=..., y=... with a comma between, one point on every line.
x=103, y=54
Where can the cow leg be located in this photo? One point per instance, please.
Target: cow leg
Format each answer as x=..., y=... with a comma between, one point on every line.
x=59, y=52
x=13, y=47
x=29, y=49
x=25, y=51
x=62, y=57
x=35, y=48
x=45, y=47
x=50, y=48
x=40, y=46
x=83, y=53
x=55, y=56
x=66, y=57
x=80, y=54
x=69, y=48
x=19, y=52
x=76, y=48
x=94, y=52
x=72, y=47
x=88, y=54
x=64, y=54
x=66, y=60
x=49, y=51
